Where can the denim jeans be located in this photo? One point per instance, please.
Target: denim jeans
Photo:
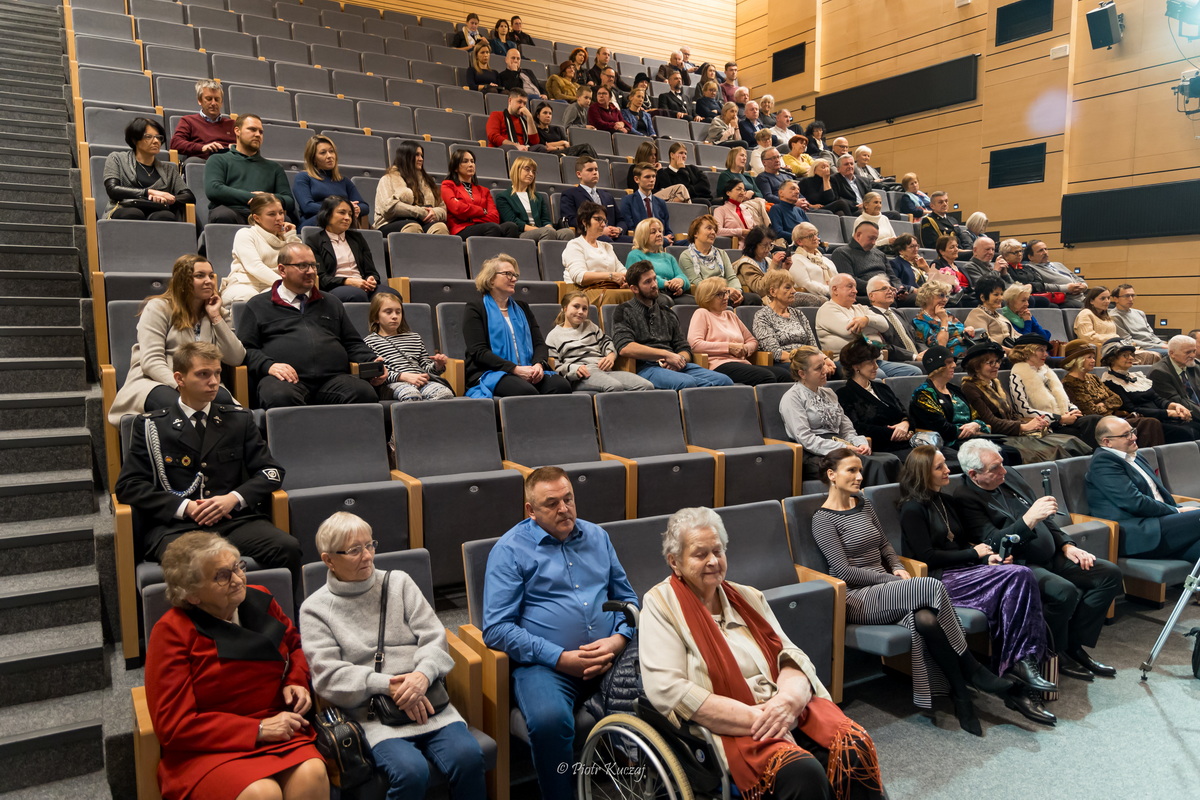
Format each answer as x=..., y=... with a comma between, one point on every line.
x=548, y=699
x=452, y=749
x=896, y=369
x=691, y=376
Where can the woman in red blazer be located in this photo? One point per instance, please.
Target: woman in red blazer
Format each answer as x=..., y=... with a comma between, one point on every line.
x=227, y=684
x=470, y=209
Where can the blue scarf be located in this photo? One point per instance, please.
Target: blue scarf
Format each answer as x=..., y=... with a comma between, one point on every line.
x=501, y=341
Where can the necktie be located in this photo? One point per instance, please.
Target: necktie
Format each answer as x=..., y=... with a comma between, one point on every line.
x=198, y=420
x=303, y=301
x=595, y=196
x=898, y=324
x=649, y=211
x=1187, y=384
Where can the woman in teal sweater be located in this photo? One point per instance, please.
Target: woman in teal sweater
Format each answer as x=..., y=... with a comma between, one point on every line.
x=648, y=246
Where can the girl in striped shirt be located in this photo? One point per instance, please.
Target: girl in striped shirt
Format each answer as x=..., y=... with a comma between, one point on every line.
x=415, y=372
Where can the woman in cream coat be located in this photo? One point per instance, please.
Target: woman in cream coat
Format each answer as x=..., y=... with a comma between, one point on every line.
x=256, y=250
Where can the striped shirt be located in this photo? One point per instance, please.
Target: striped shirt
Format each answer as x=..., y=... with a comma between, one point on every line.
x=404, y=352
x=572, y=347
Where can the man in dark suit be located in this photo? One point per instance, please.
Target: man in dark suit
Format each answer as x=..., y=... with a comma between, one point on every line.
x=642, y=203
x=1077, y=588
x=587, y=172
x=674, y=103
x=1123, y=487
x=750, y=124
x=200, y=465
x=848, y=185
x=900, y=339
x=937, y=223
x=1176, y=378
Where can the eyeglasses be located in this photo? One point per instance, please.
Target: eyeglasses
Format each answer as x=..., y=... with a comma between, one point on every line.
x=358, y=549
x=303, y=267
x=885, y=290
x=508, y=273
x=724, y=293
x=153, y=137
x=224, y=576
x=1129, y=434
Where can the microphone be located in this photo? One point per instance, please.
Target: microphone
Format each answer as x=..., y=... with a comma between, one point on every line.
x=1007, y=543
x=1047, y=492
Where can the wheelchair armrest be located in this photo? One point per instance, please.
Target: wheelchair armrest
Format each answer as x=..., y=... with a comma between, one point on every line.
x=146, y=750
x=416, y=512
x=465, y=681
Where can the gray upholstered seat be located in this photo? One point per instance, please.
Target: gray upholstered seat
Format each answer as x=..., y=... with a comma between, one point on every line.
x=279, y=49
x=218, y=41
x=481, y=248
x=420, y=255
x=241, y=69
x=103, y=51
x=133, y=246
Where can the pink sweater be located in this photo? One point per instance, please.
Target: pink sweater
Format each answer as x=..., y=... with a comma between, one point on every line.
x=711, y=334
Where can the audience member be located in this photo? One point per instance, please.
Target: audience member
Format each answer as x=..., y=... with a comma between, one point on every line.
x=256, y=249
x=469, y=35
x=937, y=223
x=841, y=321
x=549, y=620
x=736, y=216
x=870, y=404
x=937, y=326
x=227, y=698
x=1030, y=434
x=987, y=317
x=235, y=175
x=706, y=72
x=345, y=267
x=1016, y=310
x=945, y=268
x=210, y=131
x=1132, y=323
x=678, y=172
x=716, y=331
x=781, y=132
x=674, y=103
x=690, y=618
x=636, y=116
x=674, y=66
x=910, y=267
x=915, y=203
x=788, y=211
x=811, y=269
x=646, y=329
x=1176, y=378
x=864, y=170
x=513, y=128
x=760, y=256
x=523, y=205
x=750, y=124
x=321, y=179
x=1077, y=588
x=576, y=113
x=341, y=641
x=500, y=42
x=643, y=203
x=796, y=159
x=818, y=190
x=648, y=246
x=840, y=147
x=516, y=77
x=687, y=64
x=872, y=211
x=1136, y=391
x=1094, y=398
x=1095, y=325
x=479, y=71
x=708, y=105
x=982, y=266
x=940, y=407
x=762, y=140
x=602, y=62
x=579, y=57
x=1053, y=273
x=138, y=184
x=901, y=339
x=407, y=200
x=1046, y=294
x=703, y=259
x=861, y=260
x=976, y=226
x=815, y=133
x=587, y=172
x=729, y=85
x=584, y=354
x=780, y=327
x=735, y=170
x=563, y=86
x=1035, y=389
x=518, y=36
x=299, y=342
x=847, y=185
x=174, y=485
x=772, y=176
x=506, y=355
x=610, y=80
x=413, y=373
x=470, y=208
x=604, y=114
x=590, y=263
x=189, y=310
x=723, y=129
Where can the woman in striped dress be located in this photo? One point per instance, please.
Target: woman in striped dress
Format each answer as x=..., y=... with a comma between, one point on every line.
x=881, y=592
x=413, y=373
x=584, y=354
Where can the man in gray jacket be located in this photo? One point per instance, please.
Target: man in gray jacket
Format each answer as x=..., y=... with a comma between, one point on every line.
x=1132, y=323
x=862, y=261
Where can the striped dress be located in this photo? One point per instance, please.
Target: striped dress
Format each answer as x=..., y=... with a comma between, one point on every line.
x=405, y=352
x=858, y=553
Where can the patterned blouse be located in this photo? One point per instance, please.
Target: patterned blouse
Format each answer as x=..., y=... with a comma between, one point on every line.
x=928, y=328
x=931, y=410
x=778, y=334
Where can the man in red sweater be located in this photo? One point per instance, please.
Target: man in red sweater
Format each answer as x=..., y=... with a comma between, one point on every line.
x=514, y=127
x=210, y=131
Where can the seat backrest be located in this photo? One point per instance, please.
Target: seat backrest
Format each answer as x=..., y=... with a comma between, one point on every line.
x=720, y=416
x=241, y=69
x=769, y=396
x=658, y=430
x=314, y=34
x=276, y=581
x=465, y=100
x=325, y=445
x=341, y=21
x=385, y=65
x=102, y=51
x=447, y=124
x=262, y=8
x=1177, y=468
x=322, y=109
x=433, y=73
x=126, y=246
x=115, y=87
x=638, y=545
x=1032, y=475
x=272, y=105
x=446, y=438
x=481, y=248
x=265, y=26
x=799, y=512
x=347, y=81
x=419, y=255
x=358, y=150
x=417, y=33
x=218, y=41
x=277, y=49
x=449, y=327
x=331, y=56
x=362, y=42
x=412, y=51
x=558, y=429
x=904, y=386
x=681, y=215
x=102, y=23
x=883, y=499
x=200, y=17
x=305, y=15
x=600, y=140
x=122, y=334
x=475, y=557
x=414, y=562
x=1052, y=320
x=1073, y=475
x=411, y=93
x=550, y=253
x=285, y=143
x=384, y=118
x=758, y=545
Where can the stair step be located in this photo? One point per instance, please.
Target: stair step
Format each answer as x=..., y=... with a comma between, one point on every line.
x=41, y=342
x=91, y=785
x=34, y=194
x=15, y=97
x=10, y=155
x=27, y=411
x=27, y=283
x=42, y=495
x=41, y=176
x=54, y=311
x=39, y=87
x=12, y=51
x=26, y=233
x=33, y=114
x=29, y=547
x=39, y=259
x=44, y=9
x=30, y=214
x=39, y=664
x=34, y=142
x=42, y=47
x=49, y=73
x=21, y=28
x=42, y=374
x=45, y=450
x=48, y=598
x=28, y=760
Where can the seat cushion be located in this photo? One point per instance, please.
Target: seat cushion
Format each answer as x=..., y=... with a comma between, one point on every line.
x=973, y=620
x=880, y=640
x=1155, y=570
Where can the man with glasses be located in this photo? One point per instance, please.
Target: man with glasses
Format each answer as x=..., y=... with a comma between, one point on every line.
x=201, y=465
x=1132, y=323
x=1176, y=378
x=900, y=340
x=842, y=321
x=774, y=174
x=862, y=260
x=1122, y=486
x=299, y=342
x=1077, y=588
x=234, y=176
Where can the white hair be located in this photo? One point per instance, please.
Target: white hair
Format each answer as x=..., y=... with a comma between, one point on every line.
x=335, y=531
x=686, y=520
x=980, y=241
x=803, y=229
x=1177, y=342
x=841, y=277
x=970, y=453
x=877, y=282
x=862, y=148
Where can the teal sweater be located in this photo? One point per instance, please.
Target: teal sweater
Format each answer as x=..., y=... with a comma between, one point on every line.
x=230, y=178
x=665, y=266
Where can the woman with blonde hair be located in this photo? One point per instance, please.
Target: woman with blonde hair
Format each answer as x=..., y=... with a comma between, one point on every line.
x=584, y=354
x=483, y=77
x=723, y=130
x=637, y=119
x=190, y=310
x=256, y=249
x=322, y=179
x=1037, y=391
x=648, y=246
x=521, y=204
x=716, y=331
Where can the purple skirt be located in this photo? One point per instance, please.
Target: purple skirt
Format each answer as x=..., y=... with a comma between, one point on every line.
x=1008, y=595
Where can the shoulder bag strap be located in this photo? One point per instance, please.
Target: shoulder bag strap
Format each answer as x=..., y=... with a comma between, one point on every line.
x=382, y=621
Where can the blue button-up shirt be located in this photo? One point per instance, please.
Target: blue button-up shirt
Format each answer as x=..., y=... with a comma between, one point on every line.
x=542, y=596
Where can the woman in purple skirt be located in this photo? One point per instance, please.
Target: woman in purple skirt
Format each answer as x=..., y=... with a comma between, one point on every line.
x=975, y=577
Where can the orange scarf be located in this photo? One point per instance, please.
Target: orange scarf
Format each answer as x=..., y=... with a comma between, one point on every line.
x=755, y=764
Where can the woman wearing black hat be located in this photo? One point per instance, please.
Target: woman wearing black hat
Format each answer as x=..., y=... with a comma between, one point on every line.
x=870, y=404
x=1093, y=397
x=938, y=405
x=1035, y=389
x=1028, y=434
x=1137, y=394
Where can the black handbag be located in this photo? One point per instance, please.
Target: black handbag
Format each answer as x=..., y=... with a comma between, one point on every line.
x=381, y=707
x=341, y=742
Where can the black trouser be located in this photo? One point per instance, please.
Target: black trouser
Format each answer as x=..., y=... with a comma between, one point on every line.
x=1180, y=537
x=227, y=216
x=753, y=375
x=510, y=230
x=1075, y=600
x=352, y=294
x=513, y=386
x=166, y=397
x=338, y=390
x=167, y=214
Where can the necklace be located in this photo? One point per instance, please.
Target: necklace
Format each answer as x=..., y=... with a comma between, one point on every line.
x=942, y=510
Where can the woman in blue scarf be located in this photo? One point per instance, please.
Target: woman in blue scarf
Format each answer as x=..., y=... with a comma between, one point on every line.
x=506, y=355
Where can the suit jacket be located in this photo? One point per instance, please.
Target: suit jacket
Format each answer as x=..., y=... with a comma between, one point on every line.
x=513, y=210
x=934, y=226
x=976, y=269
x=232, y=457
x=322, y=248
x=573, y=198
x=632, y=210
x=1117, y=491
x=903, y=271
x=841, y=187
x=748, y=129
x=988, y=519
x=895, y=345
x=676, y=103
x=1169, y=387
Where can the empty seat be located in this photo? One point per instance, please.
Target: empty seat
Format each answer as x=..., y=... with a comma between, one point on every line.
x=468, y=101
x=274, y=49
x=270, y=105
x=711, y=155
x=362, y=42
x=265, y=26
x=369, y=13
x=108, y=6
x=449, y=56
x=102, y=51
x=681, y=215
x=201, y=17
x=241, y=69
x=115, y=88
x=433, y=73
x=385, y=118
x=305, y=15
x=442, y=290
x=357, y=150
x=284, y=143
x=358, y=86
x=262, y=8
x=320, y=110
x=600, y=140
x=218, y=244
x=402, y=17
x=314, y=34
x=1052, y=320
x=417, y=33
x=829, y=227
x=217, y=41
x=1178, y=468
x=302, y=78
x=542, y=55
x=385, y=65
x=340, y=21
x=420, y=255
x=101, y=23
x=413, y=51
x=162, y=60
x=442, y=124
x=481, y=248
x=332, y=57
x=411, y=93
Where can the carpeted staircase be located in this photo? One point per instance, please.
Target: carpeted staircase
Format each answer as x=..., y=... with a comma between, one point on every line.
x=55, y=676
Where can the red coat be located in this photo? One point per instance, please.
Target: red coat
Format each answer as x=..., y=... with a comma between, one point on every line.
x=464, y=209
x=497, y=130
x=209, y=683
x=604, y=119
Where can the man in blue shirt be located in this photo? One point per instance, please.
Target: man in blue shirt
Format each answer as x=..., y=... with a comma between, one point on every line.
x=546, y=583
x=788, y=211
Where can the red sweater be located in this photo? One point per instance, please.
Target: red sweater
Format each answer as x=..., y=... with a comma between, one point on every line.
x=194, y=131
x=464, y=209
x=604, y=118
x=497, y=130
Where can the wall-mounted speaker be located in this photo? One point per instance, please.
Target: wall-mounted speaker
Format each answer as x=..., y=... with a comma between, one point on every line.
x=1104, y=26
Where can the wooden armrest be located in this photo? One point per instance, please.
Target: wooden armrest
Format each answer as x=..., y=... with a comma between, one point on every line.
x=631, y=483
x=127, y=592
x=838, y=660
x=797, y=463
x=1183, y=498
x=100, y=314
x=403, y=286
x=521, y=468
x=761, y=358
x=146, y=750
x=495, y=702
x=455, y=375
x=112, y=435
x=464, y=683
x=241, y=385
x=718, y=472
x=626, y=364
x=917, y=569
x=563, y=288
x=189, y=212
x=354, y=368
x=1113, y=533
x=280, y=515
x=700, y=359
x=416, y=515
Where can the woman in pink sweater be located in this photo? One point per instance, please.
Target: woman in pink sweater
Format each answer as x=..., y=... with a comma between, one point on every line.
x=716, y=331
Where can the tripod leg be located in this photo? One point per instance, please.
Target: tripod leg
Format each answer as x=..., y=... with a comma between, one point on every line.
x=1191, y=585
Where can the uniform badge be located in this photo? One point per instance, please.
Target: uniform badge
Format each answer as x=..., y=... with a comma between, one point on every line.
x=216, y=420
x=177, y=424
x=186, y=461
x=271, y=474
x=168, y=459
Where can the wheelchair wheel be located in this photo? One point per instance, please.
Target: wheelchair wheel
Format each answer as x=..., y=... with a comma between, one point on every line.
x=625, y=758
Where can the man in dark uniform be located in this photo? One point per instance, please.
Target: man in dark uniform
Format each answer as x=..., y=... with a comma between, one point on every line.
x=1076, y=587
x=199, y=465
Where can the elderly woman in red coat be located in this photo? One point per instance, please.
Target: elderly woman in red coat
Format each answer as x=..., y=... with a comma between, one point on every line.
x=227, y=684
